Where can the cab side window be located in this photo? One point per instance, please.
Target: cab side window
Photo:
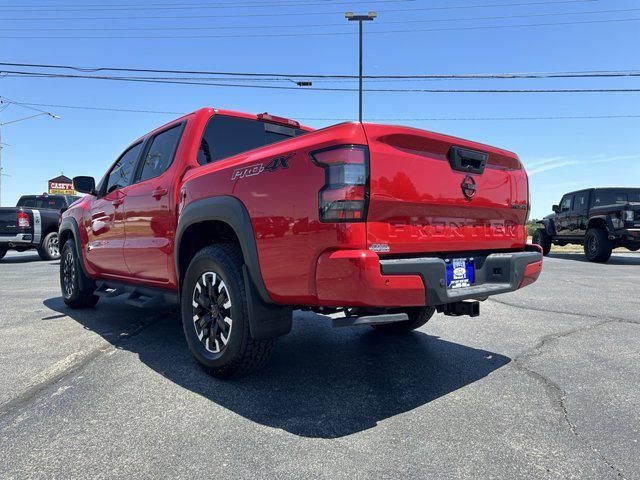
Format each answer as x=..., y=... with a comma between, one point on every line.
x=161, y=152
x=565, y=205
x=122, y=172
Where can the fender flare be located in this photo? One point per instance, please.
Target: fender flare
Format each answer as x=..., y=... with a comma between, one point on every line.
x=69, y=224
x=230, y=210
x=266, y=319
x=607, y=222
x=548, y=225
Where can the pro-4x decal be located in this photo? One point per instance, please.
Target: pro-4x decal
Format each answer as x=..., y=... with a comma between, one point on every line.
x=258, y=168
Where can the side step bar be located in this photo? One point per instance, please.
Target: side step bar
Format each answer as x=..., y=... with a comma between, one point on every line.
x=142, y=297
x=368, y=320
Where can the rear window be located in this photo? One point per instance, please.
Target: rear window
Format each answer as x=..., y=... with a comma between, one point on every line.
x=53, y=203
x=227, y=136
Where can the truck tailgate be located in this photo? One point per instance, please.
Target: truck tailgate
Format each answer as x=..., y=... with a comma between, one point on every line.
x=8, y=221
x=433, y=193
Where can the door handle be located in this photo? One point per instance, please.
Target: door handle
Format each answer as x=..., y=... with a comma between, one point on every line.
x=159, y=192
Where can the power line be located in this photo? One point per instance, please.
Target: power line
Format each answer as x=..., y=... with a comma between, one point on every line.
x=262, y=75
x=315, y=34
x=374, y=119
x=280, y=14
x=96, y=8
x=325, y=89
x=317, y=25
x=266, y=2
x=84, y=107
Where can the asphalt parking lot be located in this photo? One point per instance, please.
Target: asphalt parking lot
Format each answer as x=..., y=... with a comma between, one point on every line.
x=544, y=384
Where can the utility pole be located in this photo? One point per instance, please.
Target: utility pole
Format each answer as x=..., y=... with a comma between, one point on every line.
x=55, y=117
x=360, y=18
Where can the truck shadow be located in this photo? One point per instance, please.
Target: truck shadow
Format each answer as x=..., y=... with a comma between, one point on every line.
x=320, y=383
x=616, y=259
x=21, y=258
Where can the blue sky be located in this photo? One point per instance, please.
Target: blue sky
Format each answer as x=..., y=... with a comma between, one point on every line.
x=560, y=155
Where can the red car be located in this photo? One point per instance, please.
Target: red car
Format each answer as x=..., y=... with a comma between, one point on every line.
x=242, y=218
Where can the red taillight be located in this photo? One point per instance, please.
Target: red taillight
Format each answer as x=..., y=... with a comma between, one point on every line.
x=346, y=190
x=23, y=220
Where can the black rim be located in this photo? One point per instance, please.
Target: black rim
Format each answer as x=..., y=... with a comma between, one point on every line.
x=68, y=275
x=211, y=308
x=53, y=247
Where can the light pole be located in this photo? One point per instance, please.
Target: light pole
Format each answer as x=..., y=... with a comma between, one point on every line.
x=360, y=18
x=55, y=117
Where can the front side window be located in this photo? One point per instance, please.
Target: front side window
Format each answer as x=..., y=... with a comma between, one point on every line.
x=565, y=205
x=122, y=172
x=161, y=152
x=226, y=136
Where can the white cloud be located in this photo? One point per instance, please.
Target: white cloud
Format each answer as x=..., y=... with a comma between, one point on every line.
x=545, y=164
x=551, y=166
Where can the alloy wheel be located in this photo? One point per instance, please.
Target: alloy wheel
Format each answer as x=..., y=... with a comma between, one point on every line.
x=68, y=274
x=211, y=307
x=53, y=246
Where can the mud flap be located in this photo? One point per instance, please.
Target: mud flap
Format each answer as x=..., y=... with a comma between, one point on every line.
x=265, y=320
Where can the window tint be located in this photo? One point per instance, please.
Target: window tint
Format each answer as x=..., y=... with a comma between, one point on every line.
x=26, y=202
x=227, y=136
x=122, y=172
x=44, y=202
x=580, y=202
x=160, y=155
x=609, y=198
x=54, y=203
x=566, y=204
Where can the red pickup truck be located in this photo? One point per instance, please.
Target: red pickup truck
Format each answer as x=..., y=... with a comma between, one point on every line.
x=242, y=218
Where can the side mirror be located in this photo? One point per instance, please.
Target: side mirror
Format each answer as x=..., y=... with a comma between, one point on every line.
x=556, y=208
x=85, y=185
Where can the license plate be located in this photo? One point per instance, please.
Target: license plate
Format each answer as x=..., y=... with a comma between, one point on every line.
x=460, y=272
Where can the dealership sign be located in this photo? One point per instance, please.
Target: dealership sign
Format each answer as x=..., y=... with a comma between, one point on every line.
x=61, y=186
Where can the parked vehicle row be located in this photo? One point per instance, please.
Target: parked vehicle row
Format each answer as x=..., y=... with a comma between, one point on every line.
x=241, y=218
x=33, y=224
x=600, y=219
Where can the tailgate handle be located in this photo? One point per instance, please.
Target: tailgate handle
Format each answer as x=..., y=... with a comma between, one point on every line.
x=467, y=160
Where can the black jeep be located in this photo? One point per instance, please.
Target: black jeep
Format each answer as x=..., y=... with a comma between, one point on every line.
x=600, y=219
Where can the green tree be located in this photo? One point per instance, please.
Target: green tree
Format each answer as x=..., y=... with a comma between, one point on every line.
x=532, y=226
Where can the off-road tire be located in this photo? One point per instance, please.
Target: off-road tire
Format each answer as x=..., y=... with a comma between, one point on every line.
x=241, y=354
x=49, y=249
x=77, y=290
x=597, y=247
x=542, y=238
x=418, y=316
x=3, y=252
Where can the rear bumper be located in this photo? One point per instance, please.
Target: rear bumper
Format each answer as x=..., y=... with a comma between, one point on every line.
x=629, y=234
x=19, y=239
x=361, y=278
